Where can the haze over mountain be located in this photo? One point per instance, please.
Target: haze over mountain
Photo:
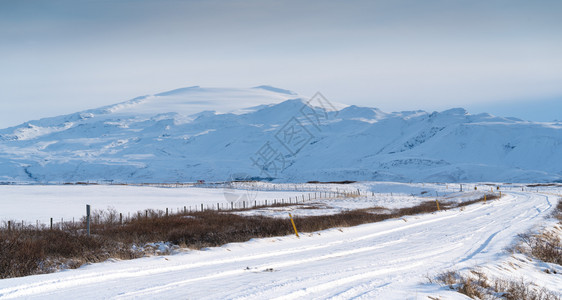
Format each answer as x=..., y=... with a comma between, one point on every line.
x=268, y=133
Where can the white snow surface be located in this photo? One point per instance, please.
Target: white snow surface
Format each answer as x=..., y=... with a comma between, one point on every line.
x=386, y=260
x=40, y=203
x=68, y=202
x=269, y=133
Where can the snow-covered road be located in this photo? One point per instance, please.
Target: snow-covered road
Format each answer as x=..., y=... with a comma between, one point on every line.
x=387, y=260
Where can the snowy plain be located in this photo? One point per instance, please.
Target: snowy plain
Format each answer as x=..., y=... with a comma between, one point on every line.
x=39, y=203
x=34, y=204
x=387, y=260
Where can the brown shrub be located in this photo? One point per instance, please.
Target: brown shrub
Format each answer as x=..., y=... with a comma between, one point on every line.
x=19, y=255
x=558, y=212
x=545, y=246
x=35, y=251
x=29, y=251
x=478, y=286
x=489, y=197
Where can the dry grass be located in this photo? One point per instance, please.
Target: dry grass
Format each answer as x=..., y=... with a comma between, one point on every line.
x=488, y=197
x=28, y=251
x=545, y=246
x=35, y=251
x=477, y=285
x=558, y=212
x=544, y=184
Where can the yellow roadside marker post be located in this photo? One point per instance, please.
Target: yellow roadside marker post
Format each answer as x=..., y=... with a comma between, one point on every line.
x=436, y=201
x=294, y=227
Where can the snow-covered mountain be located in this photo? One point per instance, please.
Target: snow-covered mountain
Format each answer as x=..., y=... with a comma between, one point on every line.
x=216, y=134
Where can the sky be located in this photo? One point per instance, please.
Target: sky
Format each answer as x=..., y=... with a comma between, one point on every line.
x=497, y=56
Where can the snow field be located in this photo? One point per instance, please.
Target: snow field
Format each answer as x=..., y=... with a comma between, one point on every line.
x=386, y=260
x=34, y=204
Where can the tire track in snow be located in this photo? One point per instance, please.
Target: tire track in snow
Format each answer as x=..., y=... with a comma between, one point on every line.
x=523, y=217
x=334, y=283
x=292, y=262
x=366, y=272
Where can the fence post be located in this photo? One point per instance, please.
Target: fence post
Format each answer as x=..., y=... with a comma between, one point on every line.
x=9, y=226
x=121, y=218
x=51, y=223
x=166, y=211
x=87, y=219
x=201, y=206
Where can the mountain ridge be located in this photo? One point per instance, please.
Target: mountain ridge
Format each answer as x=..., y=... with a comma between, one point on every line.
x=196, y=133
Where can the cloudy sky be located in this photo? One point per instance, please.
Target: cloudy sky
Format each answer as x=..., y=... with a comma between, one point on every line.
x=504, y=56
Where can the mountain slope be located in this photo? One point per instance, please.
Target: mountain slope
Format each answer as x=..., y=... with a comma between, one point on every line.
x=269, y=133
